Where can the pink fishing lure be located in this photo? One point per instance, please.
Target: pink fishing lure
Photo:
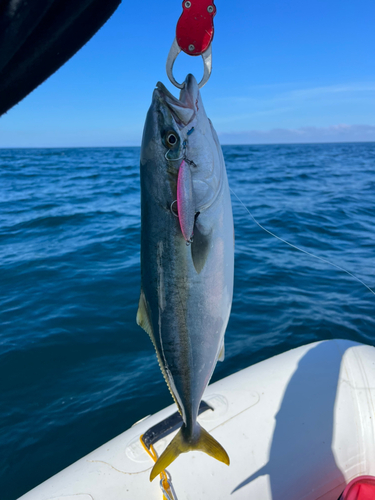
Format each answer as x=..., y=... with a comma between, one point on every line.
x=185, y=201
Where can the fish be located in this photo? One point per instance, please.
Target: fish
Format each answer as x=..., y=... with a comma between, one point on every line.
x=187, y=256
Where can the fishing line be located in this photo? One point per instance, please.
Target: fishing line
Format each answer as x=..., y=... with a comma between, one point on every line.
x=300, y=249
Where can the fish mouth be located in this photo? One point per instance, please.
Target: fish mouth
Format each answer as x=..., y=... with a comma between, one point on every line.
x=184, y=108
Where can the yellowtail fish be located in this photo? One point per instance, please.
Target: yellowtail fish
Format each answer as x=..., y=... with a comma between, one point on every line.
x=187, y=254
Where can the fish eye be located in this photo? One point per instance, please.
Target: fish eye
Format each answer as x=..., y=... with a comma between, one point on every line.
x=171, y=139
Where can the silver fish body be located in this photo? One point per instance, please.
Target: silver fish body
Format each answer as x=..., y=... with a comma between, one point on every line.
x=187, y=284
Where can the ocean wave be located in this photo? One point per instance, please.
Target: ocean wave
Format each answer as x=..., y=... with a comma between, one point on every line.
x=75, y=369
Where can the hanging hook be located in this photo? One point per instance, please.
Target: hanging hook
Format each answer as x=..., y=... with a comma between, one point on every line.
x=207, y=65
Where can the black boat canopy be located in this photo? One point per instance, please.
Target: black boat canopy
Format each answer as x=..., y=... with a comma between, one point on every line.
x=39, y=36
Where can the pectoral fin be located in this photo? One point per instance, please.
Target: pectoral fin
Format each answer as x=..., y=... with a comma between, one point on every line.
x=200, y=248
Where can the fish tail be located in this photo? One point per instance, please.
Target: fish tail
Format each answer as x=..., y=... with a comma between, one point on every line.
x=180, y=444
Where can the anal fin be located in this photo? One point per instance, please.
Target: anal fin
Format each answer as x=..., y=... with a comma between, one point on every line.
x=143, y=319
x=222, y=353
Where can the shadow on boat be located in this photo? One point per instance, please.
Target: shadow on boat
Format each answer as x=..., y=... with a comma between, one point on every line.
x=300, y=456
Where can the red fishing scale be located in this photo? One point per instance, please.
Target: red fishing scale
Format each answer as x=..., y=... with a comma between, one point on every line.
x=194, y=34
x=195, y=28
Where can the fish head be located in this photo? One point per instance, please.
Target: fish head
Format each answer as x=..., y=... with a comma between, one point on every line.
x=161, y=148
x=178, y=129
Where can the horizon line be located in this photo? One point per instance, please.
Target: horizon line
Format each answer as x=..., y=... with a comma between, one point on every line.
x=224, y=144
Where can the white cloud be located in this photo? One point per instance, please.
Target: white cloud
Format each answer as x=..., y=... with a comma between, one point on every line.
x=334, y=133
x=260, y=108
x=331, y=89
x=295, y=94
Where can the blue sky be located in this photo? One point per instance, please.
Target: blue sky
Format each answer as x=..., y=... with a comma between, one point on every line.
x=283, y=71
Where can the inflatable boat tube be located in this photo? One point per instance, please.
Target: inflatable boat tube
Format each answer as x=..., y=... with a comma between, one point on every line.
x=298, y=426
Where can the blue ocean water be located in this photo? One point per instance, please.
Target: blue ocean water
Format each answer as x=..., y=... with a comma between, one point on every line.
x=75, y=369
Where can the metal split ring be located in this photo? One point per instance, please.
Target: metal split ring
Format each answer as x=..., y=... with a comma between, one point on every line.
x=174, y=211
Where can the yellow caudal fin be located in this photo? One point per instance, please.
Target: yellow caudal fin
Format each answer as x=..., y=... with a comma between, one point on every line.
x=177, y=446
x=210, y=446
x=180, y=444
